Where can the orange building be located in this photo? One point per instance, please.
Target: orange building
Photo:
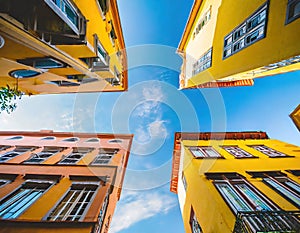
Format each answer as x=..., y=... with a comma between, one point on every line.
x=60, y=182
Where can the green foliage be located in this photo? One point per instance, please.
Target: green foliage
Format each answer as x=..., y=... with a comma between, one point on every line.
x=8, y=97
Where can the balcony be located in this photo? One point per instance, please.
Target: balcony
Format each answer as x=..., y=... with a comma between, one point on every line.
x=54, y=21
x=267, y=222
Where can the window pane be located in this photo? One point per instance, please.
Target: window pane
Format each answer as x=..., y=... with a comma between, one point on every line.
x=74, y=204
x=233, y=198
x=16, y=203
x=283, y=190
x=255, y=199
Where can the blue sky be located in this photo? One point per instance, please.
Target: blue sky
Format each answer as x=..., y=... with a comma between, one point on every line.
x=153, y=109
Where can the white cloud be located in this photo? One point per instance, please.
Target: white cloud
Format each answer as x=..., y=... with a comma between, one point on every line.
x=137, y=206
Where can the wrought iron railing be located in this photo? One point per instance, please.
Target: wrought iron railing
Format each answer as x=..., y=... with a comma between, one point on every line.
x=267, y=222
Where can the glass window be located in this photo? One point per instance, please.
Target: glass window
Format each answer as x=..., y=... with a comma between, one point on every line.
x=24, y=73
x=184, y=181
x=203, y=63
x=293, y=10
x=17, y=202
x=17, y=151
x=76, y=155
x=93, y=140
x=73, y=139
x=4, y=182
x=195, y=226
x=241, y=196
x=46, y=153
x=48, y=138
x=68, y=10
x=115, y=141
x=15, y=138
x=63, y=83
x=237, y=152
x=42, y=63
x=75, y=202
x=104, y=157
x=247, y=33
x=268, y=151
x=204, y=152
x=103, y=5
x=286, y=187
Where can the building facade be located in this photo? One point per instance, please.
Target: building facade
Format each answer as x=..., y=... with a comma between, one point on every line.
x=60, y=182
x=224, y=46
x=295, y=116
x=241, y=182
x=62, y=46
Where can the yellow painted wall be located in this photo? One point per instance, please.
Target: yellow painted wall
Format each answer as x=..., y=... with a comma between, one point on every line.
x=212, y=212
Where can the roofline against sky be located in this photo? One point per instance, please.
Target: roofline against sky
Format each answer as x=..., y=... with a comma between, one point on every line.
x=189, y=24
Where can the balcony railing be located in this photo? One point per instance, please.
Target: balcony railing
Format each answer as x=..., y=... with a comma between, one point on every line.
x=267, y=222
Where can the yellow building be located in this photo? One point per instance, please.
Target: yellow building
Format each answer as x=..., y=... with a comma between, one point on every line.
x=236, y=182
x=295, y=116
x=60, y=182
x=228, y=43
x=62, y=46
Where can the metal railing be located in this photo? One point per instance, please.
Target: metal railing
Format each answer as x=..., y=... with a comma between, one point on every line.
x=267, y=222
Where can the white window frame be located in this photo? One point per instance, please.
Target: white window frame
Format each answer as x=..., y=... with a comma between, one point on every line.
x=39, y=156
x=269, y=151
x=17, y=151
x=105, y=156
x=51, y=216
x=285, y=187
x=10, y=204
x=203, y=152
x=203, y=63
x=237, y=152
x=238, y=198
x=242, y=36
x=76, y=151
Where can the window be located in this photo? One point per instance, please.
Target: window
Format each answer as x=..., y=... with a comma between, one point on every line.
x=4, y=147
x=46, y=153
x=184, y=181
x=247, y=33
x=93, y=140
x=24, y=73
x=240, y=195
x=42, y=63
x=48, y=138
x=63, y=83
x=103, y=5
x=75, y=156
x=268, y=151
x=284, y=185
x=292, y=11
x=65, y=10
x=101, y=62
x=15, y=138
x=104, y=156
x=237, y=152
x=195, y=226
x=17, y=151
x=203, y=63
x=103, y=212
x=71, y=139
x=115, y=141
x=204, y=152
x=75, y=203
x=4, y=182
x=17, y=202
